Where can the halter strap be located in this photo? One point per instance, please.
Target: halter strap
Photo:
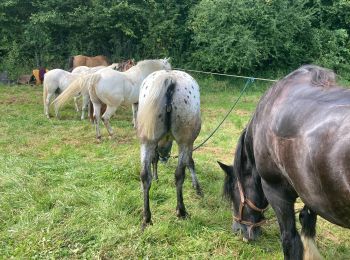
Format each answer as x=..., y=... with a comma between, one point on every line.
x=244, y=201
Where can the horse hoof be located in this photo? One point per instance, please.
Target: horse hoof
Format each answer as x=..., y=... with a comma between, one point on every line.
x=182, y=214
x=99, y=140
x=145, y=224
x=200, y=192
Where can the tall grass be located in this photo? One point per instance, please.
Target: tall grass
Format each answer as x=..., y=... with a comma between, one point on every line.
x=62, y=195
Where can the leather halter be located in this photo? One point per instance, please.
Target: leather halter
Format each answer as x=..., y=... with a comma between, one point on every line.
x=244, y=201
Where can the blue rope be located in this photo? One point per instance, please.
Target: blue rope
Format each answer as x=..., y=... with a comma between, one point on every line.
x=248, y=83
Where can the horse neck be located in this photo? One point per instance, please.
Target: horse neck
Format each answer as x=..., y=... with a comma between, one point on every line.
x=137, y=74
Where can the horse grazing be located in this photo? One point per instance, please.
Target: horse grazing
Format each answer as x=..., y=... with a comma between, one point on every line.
x=297, y=144
x=122, y=66
x=55, y=82
x=113, y=88
x=169, y=109
x=81, y=60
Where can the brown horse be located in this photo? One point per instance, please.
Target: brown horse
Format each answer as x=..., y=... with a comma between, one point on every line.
x=122, y=66
x=297, y=144
x=81, y=60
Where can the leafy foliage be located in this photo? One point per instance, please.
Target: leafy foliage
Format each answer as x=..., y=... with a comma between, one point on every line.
x=238, y=36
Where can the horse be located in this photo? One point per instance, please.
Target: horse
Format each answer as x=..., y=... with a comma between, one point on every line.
x=122, y=66
x=169, y=109
x=297, y=144
x=81, y=60
x=113, y=88
x=55, y=82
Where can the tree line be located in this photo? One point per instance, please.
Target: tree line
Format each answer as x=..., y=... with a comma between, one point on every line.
x=237, y=36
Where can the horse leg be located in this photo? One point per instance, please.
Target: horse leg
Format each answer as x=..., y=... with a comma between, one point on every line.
x=97, y=114
x=84, y=107
x=179, y=180
x=155, y=166
x=76, y=103
x=47, y=103
x=147, y=155
x=195, y=183
x=56, y=108
x=307, y=219
x=282, y=198
x=135, y=107
x=106, y=116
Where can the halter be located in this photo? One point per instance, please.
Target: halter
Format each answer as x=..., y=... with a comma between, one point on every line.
x=244, y=201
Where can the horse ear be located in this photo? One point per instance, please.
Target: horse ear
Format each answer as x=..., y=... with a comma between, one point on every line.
x=228, y=169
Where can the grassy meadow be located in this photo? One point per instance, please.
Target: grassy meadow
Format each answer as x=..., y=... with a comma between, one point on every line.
x=65, y=196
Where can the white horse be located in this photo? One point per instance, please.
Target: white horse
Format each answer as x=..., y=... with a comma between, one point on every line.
x=169, y=109
x=55, y=82
x=113, y=88
x=84, y=70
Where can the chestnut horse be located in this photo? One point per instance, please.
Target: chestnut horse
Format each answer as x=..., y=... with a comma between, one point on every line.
x=297, y=144
x=81, y=60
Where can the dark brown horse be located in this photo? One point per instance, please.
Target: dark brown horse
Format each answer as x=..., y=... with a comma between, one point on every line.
x=296, y=145
x=81, y=60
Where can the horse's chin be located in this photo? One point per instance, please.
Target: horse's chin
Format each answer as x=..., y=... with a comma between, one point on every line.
x=243, y=230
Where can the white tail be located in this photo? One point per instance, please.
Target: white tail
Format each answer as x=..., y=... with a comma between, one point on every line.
x=78, y=85
x=310, y=249
x=147, y=115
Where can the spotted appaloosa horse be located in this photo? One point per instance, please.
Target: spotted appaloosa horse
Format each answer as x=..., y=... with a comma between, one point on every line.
x=169, y=109
x=297, y=144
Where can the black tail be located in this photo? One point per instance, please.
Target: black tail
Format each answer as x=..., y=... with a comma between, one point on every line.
x=169, y=97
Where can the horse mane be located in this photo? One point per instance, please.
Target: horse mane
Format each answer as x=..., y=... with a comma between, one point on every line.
x=237, y=167
x=318, y=76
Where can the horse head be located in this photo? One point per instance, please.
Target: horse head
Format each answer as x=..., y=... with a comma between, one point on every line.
x=243, y=187
x=164, y=148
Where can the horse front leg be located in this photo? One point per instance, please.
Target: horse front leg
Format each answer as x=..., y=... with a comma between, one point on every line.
x=282, y=198
x=155, y=166
x=85, y=106
x=307, y=219
x=135, y=107
x=147, y=154
x=195, y=183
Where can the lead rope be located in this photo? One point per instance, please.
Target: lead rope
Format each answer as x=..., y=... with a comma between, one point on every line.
x=248, y=82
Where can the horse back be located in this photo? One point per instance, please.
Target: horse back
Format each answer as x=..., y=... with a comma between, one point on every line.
x=302, y=137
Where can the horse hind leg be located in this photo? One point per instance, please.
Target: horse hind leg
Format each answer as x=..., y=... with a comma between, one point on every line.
x=97, y=115
x=179, y=180
x=307, y=219
x=106, y=116
x=147, y=155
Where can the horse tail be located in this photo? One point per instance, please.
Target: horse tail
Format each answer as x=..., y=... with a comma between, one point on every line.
x=147, y=117
x=77, y=86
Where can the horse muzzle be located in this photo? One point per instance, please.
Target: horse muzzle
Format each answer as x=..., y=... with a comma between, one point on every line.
x=249, y=233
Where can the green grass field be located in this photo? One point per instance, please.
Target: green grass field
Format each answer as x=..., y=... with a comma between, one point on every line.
x=63, y=195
